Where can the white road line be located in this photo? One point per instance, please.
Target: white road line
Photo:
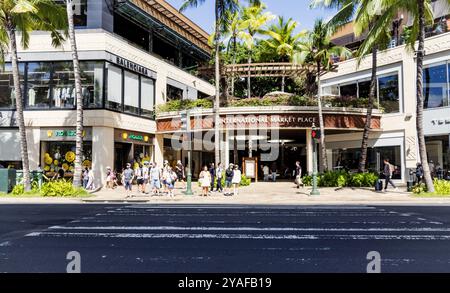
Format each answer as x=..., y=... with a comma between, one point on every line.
x=238, y=236
x=293, y=208
x=171, y=228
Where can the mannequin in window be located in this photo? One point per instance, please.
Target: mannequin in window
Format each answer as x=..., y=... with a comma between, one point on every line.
x=31, y=97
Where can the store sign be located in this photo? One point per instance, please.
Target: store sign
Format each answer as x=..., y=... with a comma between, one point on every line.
x=135, y=137
x=64, y=134
x=436, y=121
x=130, y=65
x=8, y=119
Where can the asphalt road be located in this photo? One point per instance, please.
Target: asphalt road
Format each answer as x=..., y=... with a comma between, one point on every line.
x=193, y=238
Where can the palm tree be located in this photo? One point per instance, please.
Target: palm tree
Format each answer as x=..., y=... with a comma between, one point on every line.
x=318, y=50
x=221, y=7
x=253, y=20
x=79, y=99
x=25, y=16
x=231, y=35
x=284, y=43
x=422, y=13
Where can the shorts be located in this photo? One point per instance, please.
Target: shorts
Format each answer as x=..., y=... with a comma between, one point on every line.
x=170, y=185
x=155, y=184
x=127, y=184
x=227, y=183
x=140, y=181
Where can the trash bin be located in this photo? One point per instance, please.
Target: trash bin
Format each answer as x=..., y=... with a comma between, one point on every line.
x=410, y=181
x=7, y=180
x=37, y=176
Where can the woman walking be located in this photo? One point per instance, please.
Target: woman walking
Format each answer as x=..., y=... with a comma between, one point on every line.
x=236, y=179
x=205, y=180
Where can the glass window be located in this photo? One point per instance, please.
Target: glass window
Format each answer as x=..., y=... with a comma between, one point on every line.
x=435, y=86
x=332, y=90
x=38, y=85
x=147, y=96
x=114, y=87
x=349, y=91
x=131, y=92
x=7, y=96
x=388, y=94
x=63, y=85
x=364, y=89
x=92, y=83
x=80, y=12
x=174, y=93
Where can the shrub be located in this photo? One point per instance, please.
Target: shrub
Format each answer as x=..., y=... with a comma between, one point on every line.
x=441, y=187
x=19, y=189
x=363, y=179
x=178, y=105
x=419, y=188
x=342, y=179
x=61, y=188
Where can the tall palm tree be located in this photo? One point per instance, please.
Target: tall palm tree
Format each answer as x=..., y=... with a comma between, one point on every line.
x=79, y=99
x=422, y=13
x=318, y=49
x=25, y=16
x=253, y=21
x=221, y=7
x=231, y=35
x=283, y=42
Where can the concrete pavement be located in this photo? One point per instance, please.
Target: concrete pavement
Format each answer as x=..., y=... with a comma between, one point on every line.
x=265, y=193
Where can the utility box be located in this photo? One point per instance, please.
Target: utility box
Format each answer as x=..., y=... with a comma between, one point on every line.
x=7, y=180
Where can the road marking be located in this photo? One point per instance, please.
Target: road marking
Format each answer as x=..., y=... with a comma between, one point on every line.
x=423, y=229
x=237, y=236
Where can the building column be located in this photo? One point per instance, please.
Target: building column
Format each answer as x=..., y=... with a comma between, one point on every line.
x=225, y=147
x=330, y=159
x=102, y=152
x=33, y=145
x=159, y=149
x=309, y=152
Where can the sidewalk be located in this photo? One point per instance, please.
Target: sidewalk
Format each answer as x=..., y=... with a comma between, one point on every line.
x=264, y=193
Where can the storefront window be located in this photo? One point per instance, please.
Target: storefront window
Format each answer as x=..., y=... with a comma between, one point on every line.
x=364, y=89
x=114, y=88
x=131, y=91
x=174, y=93
x=349, y=91
x=388, y=97
x=63, y=85
x=147, y=96
x=58, y=155
x=332, y=90
x=39, y=85
x=7, y=96
x=92, y=83
x=435, y=86
x=80, y=12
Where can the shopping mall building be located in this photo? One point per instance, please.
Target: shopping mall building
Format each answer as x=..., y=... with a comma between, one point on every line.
x=137, y=54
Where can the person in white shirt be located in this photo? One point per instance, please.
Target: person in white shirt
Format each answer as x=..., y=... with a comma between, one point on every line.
x=236, y=179
x=266, y=172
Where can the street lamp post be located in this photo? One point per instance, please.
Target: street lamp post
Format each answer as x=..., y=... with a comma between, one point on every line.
x=186, y=128
x=315, y=190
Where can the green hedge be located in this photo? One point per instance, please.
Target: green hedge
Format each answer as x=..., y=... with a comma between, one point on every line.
x=441, y=187
x=244, y=181
x=51, y=188
x=178, y=105
x=342, y=179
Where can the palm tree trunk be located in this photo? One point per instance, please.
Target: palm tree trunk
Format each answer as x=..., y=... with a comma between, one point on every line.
x=19, y=105
x=283, y=81
x=217, y=83
x=249, y=85
x=419, y=114
x=234, y=62
x=367, y=126
x=235, y=150
x=323, y=147
x=76, y=70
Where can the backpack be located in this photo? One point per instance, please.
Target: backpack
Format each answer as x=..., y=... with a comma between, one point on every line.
x=229, y=173
x=392, y=168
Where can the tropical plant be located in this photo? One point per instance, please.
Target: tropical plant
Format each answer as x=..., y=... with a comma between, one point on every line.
x=318, y=50
x=284, y=43
x=24, y=16
x=79, y=99
x=253, y=21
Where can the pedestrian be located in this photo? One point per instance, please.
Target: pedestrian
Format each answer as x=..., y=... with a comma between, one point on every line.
x=228, y=178
x=266, y=171
x=432, y=169
x=388, y=171
x=109, y=179
x=85, y=177
x=90, y=184
x=298, y=174
x=212, y=171
x=155, y=179
x=419, y=173
x=164, y=169
x=139, y=175
x=127, y=179
x=145, y=174
x=219, y=175
x=205, y=180
x=170, y=177
x=439, y=172
x=274, y=172
x=179, y=170
x=236, y=179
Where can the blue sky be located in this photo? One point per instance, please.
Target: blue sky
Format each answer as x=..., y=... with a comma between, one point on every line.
x=297, y=9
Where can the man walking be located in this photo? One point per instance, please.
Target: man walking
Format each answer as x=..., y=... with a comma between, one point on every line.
x=212, y=171
x=219, y=171
x=388, y=171
x=127, y=178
